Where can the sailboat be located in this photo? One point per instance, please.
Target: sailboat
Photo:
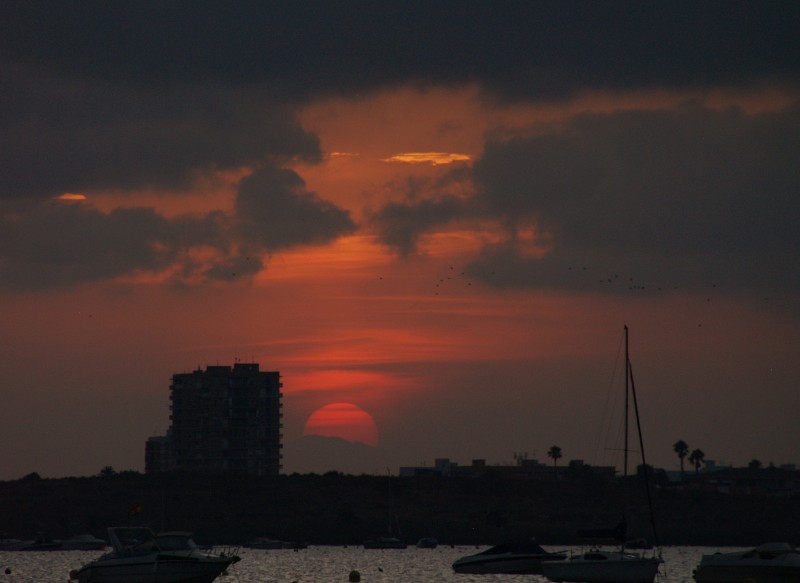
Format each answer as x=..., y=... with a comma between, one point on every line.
x=390, y=541
x=618, y=566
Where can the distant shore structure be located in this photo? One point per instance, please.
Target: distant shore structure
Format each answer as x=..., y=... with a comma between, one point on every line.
x=224, y=419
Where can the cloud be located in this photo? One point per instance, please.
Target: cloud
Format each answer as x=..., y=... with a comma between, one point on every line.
x=274, y=211
x=66, y=242
x=636, y=200
x=522, y=49
x=127, y=96
x=64, y=134
x=400, y=225
x=650, y=198
x=60, y=244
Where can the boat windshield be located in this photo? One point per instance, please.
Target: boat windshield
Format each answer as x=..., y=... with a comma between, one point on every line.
x=518, y=548
x=175, y=541
x=132, y=539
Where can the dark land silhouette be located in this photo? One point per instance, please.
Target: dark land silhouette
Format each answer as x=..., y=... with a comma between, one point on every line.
x=345, y=510
x=316, y=454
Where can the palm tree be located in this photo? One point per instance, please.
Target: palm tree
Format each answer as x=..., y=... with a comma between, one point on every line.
x=682, y=450
x=697, y=457
x=555, y=453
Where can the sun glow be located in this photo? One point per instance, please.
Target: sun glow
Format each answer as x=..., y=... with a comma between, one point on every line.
x=343, y=420
x=434, y=158
x=72, y=196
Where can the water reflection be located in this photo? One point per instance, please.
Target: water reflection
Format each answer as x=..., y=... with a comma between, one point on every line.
x=322, y=564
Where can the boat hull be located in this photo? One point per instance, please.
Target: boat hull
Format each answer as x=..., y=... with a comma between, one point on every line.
x=603, y=570
x=768, y=563
x=385, y=543
x=505, y=565
x=751, y=574
x=149, y=570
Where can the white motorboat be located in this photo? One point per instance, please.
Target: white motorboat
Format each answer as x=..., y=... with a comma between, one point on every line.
x=140, y=556
x=83, y=542
x=767, y=563
x=597, y=566
x=42, y=543
x=14, y=544
x=507, y=558
x=265, y=543
x=384, y=542
x=427, y=542
x=619, y=566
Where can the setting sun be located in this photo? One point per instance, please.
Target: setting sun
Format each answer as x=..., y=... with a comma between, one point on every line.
x=343, y=420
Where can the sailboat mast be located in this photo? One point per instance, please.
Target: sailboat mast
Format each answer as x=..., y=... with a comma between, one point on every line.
x=645, y=469
x=627, y=375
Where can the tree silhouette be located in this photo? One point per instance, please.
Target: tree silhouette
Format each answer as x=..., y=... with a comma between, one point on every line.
x=697, y=458
x=555, y=453
x=682, y=450
x=754, y=464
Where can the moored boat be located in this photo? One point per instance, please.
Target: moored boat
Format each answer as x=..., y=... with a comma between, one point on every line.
x=768, y=563
x=42, y=543
x=139, y=556
x=13, y=544
x=619, y=566
x=83, y=542
x=507, y=558
x=598, y=566
x=384, y=542
x=274, y=544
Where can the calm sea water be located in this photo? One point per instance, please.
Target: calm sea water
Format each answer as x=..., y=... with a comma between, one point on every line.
x=323, y=564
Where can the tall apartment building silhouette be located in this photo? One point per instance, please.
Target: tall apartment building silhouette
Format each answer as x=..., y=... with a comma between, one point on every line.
x=223, y=420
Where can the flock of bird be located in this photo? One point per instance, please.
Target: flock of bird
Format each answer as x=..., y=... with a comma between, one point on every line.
x=452, y=277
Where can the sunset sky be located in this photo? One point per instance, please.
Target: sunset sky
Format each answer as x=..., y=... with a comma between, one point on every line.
x=434, y=218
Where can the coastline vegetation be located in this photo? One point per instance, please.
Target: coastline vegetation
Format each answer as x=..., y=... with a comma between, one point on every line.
x=337, y=509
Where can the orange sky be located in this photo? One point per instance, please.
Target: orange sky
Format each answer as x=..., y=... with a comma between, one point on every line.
x=412, y=340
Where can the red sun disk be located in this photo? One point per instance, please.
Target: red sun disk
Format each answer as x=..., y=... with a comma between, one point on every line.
x=343, y=420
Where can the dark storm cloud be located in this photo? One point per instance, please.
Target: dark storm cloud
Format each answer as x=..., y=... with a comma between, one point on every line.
x=515, y=48
x=430, y=204
x=123, y=95
x=275, y=211
x=60, y=244
x=647, y=199
x=399, y=225
x=70, y=135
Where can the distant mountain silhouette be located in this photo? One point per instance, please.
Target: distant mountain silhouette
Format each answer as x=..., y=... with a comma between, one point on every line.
x=316, y=454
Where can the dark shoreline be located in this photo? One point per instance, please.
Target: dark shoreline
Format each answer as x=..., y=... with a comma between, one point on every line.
x=340, y=509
